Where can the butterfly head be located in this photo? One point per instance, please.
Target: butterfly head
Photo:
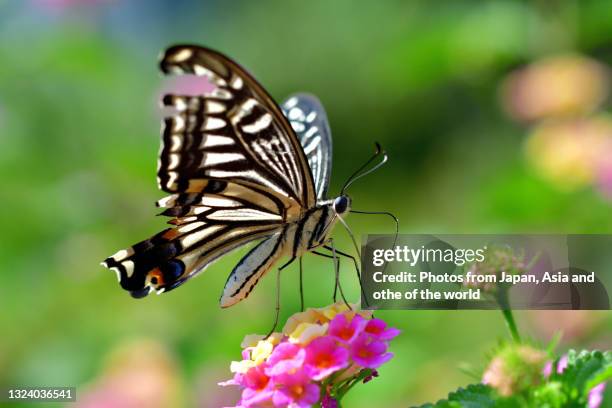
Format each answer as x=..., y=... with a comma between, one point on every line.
x=342, y=204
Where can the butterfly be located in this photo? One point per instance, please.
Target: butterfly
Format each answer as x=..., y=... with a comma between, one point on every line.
x=238, y=168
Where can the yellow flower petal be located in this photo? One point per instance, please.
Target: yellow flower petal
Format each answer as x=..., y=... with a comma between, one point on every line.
x=304, y=333
x=261, y=351
x=251, y=340
x=329, y=312
x=308, y=316
x=241, y=366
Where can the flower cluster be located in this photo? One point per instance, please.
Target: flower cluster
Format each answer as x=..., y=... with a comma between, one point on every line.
x=514, y=369
x=319, y=355
x=523, y=372
x=498, y=259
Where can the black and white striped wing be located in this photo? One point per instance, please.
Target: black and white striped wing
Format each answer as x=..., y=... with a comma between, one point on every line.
x=237, y=132
x=309, y=121
x=206, y=226
x=251, y=268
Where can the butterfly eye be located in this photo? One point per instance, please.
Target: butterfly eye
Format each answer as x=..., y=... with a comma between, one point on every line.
x=341, y=204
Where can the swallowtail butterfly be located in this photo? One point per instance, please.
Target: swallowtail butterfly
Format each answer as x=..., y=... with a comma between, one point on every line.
x=238, y=168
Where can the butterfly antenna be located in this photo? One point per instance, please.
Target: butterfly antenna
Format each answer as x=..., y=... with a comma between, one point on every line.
x=359, y=173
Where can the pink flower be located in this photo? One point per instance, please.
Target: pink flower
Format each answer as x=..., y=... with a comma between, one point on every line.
x=596, y=395
x=343, y=329
x=325, y=356
x=295, y=370
x=285, y=357
x=258, y=387
x=255, y=378
x=377, y=328
x=562, y=364
x=369, y=353
x=294, y=390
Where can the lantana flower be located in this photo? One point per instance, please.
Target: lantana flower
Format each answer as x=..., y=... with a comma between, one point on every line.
x=318, y=357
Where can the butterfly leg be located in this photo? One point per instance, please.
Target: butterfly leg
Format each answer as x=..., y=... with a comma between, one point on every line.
x=336, y=281
x=277, y=308
x=329, y=257
x=337, y=275
x=344, y=254
x=301, y=287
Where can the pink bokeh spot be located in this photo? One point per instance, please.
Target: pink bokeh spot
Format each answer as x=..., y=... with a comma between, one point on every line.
x=187, y=85
x=604, y=179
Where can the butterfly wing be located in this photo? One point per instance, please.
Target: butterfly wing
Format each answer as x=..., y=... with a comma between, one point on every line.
x=235, y=169
x=237, y=132
x=309, y=122
x=251, y=268
x=207, y=226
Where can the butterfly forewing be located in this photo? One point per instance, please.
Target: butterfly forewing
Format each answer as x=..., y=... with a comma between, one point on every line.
x=236, y=132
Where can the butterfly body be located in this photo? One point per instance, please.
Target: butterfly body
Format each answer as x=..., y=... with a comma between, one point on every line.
x=238, y=168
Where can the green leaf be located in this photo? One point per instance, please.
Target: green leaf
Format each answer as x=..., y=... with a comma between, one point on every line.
x=585, y=370
x=603, y=375
x=473, y=396
x=549, y=395
x=570, y=388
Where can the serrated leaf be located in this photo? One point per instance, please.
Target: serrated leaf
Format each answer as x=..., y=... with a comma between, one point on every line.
x=603, y=375
x=585, y=370
x=473, y=396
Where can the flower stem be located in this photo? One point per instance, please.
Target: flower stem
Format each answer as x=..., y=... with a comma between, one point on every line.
x=511, y=323
x=351, y=383
x=502, y=300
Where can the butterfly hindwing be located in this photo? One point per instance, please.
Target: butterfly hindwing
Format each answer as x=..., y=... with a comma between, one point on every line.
x=208, y=226
x=309, y=121
x=251, y=268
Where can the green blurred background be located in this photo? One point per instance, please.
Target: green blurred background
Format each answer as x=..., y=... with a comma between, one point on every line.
x=472, y=143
